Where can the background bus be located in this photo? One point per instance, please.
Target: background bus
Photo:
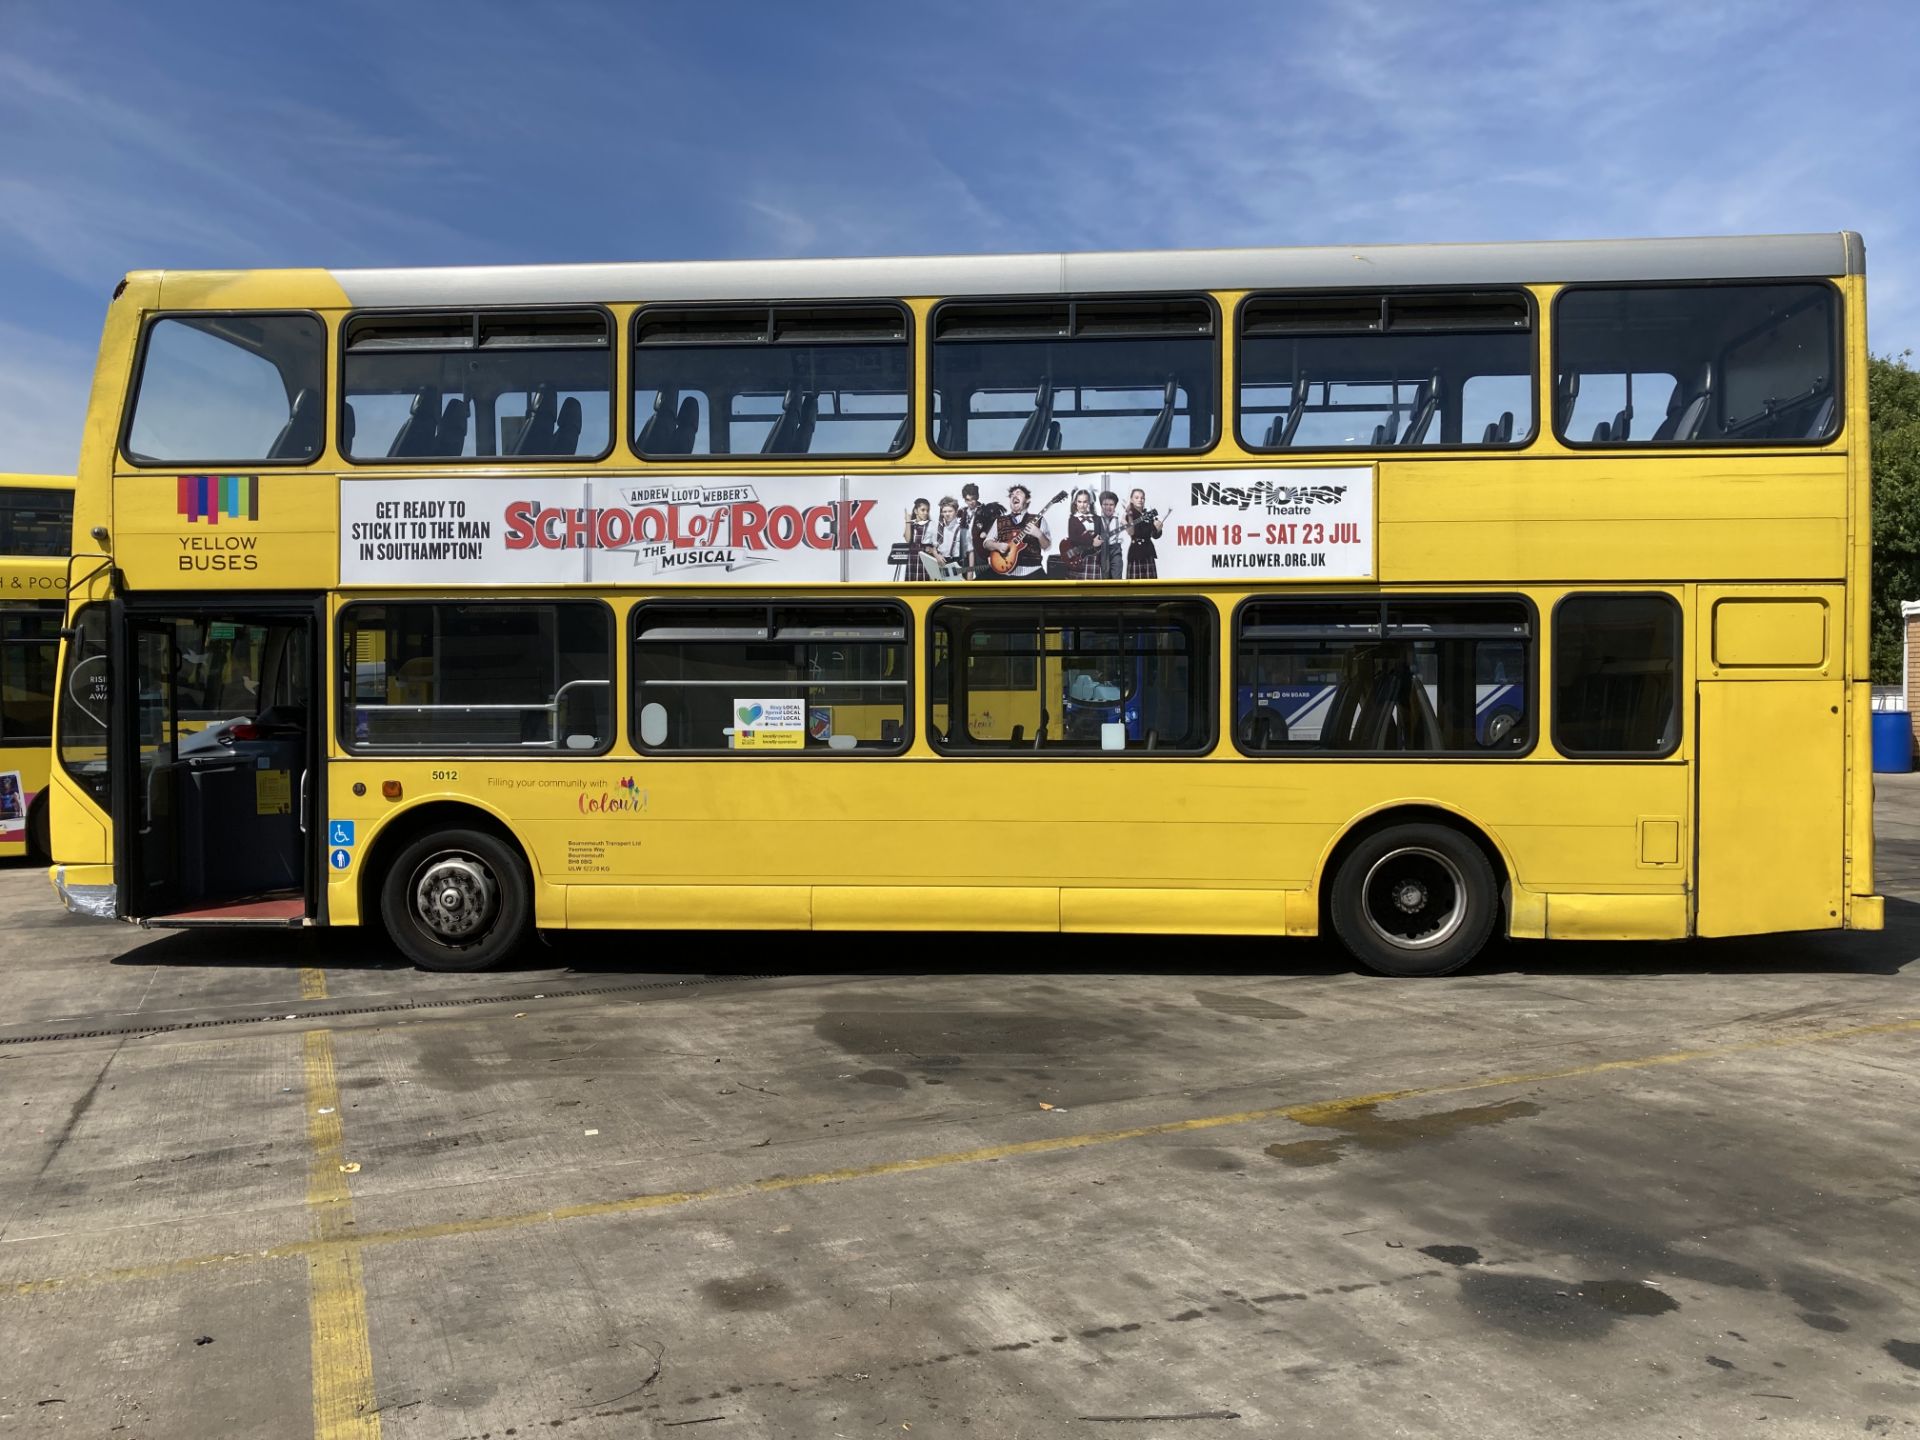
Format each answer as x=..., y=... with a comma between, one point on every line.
x=1451, y=591
x=36, y=526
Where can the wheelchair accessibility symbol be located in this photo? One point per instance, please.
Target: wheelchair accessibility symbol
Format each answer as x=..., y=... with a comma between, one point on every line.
x=340, y=832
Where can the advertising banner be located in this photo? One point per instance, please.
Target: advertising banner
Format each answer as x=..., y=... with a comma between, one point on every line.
x=1304, y=524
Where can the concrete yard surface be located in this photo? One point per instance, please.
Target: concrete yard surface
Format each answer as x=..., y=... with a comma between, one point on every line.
x=273, y=1184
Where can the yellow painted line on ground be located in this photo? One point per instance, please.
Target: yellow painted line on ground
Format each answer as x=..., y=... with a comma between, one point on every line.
x=313, y=984
x=1308, y=1113
x=343, y=1405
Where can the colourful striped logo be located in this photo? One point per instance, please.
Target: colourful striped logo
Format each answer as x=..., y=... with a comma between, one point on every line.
x=208, y=497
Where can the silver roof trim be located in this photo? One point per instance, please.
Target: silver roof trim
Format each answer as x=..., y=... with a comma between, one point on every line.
x=1305, y=268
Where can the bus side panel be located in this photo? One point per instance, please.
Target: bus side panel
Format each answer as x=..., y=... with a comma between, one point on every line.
x=1247, y=832
x=1772, y=809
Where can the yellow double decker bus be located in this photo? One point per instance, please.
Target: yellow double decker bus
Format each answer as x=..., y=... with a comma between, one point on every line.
x=1418, y=594
x=36, y=519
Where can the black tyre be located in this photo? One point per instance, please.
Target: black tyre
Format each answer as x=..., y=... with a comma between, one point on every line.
x=39, y=844
x=1415, y=900
x=457, y=900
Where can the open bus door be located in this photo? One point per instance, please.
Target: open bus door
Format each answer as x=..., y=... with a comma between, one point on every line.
x=216, y=764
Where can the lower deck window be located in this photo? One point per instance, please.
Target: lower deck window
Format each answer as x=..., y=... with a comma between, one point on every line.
x=776, y=680
x=29, y=651
x=1616, y=675
x=1373, y=676
x=1080, y=677
x=498, y=676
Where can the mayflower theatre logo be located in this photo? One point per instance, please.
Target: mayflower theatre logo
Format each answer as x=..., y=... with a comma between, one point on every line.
x=208, y=497
x=623, y=799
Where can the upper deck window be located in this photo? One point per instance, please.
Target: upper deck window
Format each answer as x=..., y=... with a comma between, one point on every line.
x=1386, y=371
x=36, y=522
x=1697, y=365
x=1080, y=376
x=230, y=390
x=771, y=380
x=528, y=385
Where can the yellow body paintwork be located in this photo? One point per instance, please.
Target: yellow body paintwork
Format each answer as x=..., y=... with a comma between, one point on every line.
x=1760, y=819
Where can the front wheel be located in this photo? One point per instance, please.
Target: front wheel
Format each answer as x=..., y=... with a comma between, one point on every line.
x=457, y=900
x=1414, y=900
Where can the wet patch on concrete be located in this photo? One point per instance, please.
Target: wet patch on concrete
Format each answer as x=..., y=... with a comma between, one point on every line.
x=1452, y=1254
x=1363, y=1127
x=1832, y=1324
x=1907, y=1352
x=1202, y=1157
x=891, y=1079
x=740, y=1293
x=1594, y=1239
x=1626, y=1297
x=1543, y=1307
x=1250, y=1007
x=945, y=1040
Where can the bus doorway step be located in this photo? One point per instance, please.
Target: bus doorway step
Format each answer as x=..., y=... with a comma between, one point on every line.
x=249, y=910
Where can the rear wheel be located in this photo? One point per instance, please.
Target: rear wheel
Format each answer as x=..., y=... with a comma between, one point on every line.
x=1414, y=900
x=39, y=846
x=457, y=900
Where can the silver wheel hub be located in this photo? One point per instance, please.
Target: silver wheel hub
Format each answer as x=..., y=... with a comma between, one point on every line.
x=1414, y=898
x=455, y=897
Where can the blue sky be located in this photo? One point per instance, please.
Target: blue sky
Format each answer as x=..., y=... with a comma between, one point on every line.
x=213, y=135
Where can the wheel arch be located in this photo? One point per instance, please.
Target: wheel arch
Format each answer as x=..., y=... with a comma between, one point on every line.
x=1420, y=812
x=403, y=826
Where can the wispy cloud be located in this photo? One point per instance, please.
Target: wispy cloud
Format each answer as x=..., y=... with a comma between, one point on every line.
x=438, y=133
x=43, y=400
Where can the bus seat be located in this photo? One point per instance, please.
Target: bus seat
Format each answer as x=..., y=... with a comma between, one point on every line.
x=657, y=435
x=1424, y=409
x=566, y=427
x=1336, y=730
x=899, y=441
x=300, y=436
x=1499, y=432
x=1686, y=409
x=1162, y=428
x=416, y=433
x=1422, y=724
x=1019, y=733
x=1040, y=730
x=451, y=438
x=1257, y=731
x=943, y=435
x=1033, y=434
x=809, y=416
x=1566, y=390
x=349, y=426
x=1382, y=435
x=1622, y=425
x=1375, y=725
x=1602, y=433
x=686, y=427
x=1276, y=433
x=536, y=436
x=1053, y=435
x=793, y=431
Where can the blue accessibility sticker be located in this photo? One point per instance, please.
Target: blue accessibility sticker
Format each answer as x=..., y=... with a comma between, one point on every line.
x=340, y=832
x=341, y=859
